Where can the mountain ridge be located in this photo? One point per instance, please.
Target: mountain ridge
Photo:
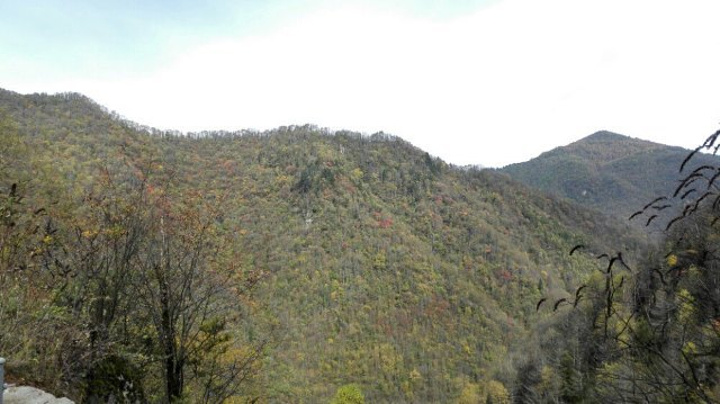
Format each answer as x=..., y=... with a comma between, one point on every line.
x=613, y=173
x=382, y=266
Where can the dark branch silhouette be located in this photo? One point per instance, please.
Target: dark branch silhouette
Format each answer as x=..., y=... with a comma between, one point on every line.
x=685, y=195
x=713, y=178
x=687, y=159
x=557, y=304
x=539, y=303
x=622, y=261
x=577, y=292
x=673, y=221
x=658, y=199
x=685, y=183
x=577, y=247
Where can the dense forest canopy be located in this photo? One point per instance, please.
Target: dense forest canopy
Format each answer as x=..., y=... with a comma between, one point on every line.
x=307, y=265
x=647, y=333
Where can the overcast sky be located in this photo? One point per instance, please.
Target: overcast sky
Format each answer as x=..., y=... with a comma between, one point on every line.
x=487, y=82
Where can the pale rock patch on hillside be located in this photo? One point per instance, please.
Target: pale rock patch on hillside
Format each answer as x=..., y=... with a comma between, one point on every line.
x=31, y=395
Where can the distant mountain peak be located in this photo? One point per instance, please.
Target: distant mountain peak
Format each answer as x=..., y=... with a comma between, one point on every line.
x=607, y=171
x=604, y=132
x=606, y=135
x=603, y=147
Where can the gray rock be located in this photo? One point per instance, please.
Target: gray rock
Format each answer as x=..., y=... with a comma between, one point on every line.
x=31, y=395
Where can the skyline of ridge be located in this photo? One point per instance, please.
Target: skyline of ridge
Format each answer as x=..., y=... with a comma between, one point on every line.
x=475, y=82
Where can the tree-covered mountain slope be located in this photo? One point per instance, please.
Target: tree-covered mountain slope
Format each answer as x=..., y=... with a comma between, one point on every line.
x=376, y=264
x=646, y=333
x=613, y=173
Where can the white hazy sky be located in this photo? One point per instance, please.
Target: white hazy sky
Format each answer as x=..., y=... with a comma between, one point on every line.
x=487, y=82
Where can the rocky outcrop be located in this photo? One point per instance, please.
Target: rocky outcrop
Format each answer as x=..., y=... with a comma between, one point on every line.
x=31, y=395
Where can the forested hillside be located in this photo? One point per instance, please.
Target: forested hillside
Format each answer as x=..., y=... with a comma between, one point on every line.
x=648, y=332
x=613, y=173
x=282, y=266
